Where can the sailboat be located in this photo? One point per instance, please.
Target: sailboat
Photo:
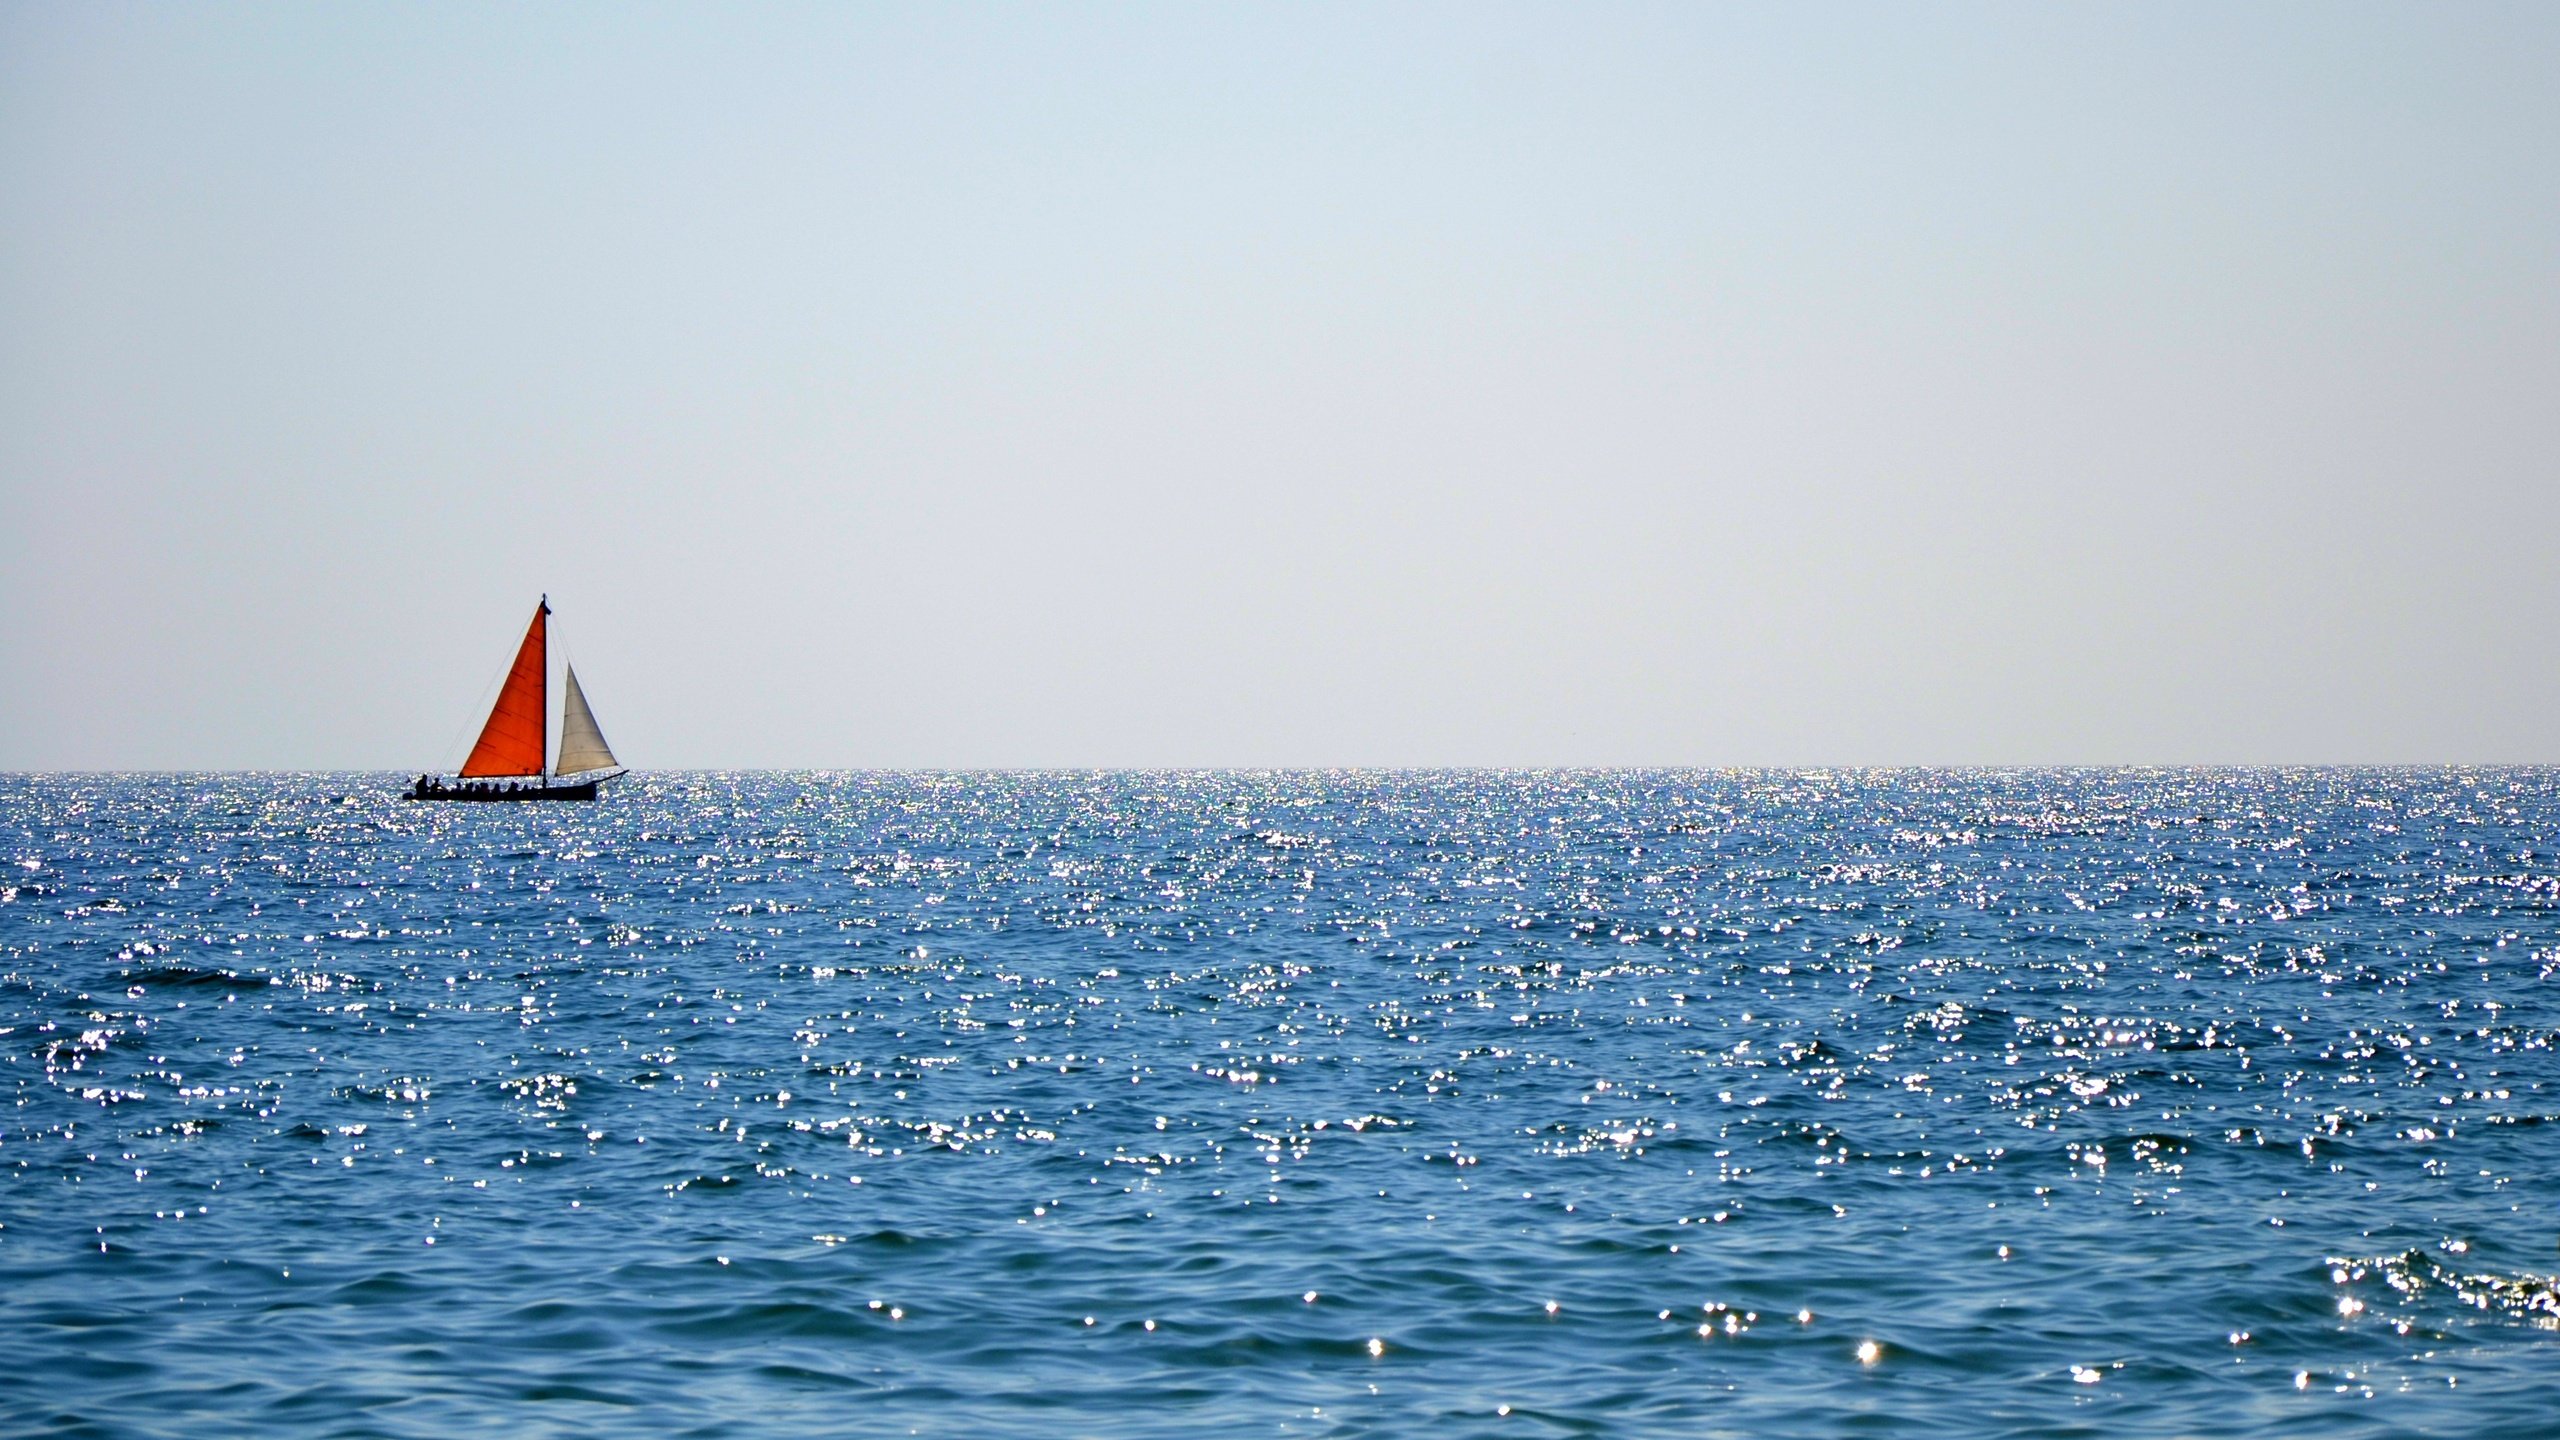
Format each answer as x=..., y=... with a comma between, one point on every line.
x=507, y=762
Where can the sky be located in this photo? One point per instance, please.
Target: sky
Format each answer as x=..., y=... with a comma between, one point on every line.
x=1272, y=385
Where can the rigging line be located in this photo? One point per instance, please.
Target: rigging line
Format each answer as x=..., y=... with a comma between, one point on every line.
x=480, y=707
x=555, y=722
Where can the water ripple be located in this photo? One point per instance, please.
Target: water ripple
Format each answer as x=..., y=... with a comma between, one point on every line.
x=1332, y=1103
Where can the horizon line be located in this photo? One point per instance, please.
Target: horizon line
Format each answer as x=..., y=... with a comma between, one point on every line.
x=1695, y=767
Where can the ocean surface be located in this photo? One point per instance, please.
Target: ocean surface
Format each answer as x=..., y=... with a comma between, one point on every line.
x=1982, y=1103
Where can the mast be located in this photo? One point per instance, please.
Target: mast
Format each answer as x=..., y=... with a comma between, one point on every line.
x=512, y=742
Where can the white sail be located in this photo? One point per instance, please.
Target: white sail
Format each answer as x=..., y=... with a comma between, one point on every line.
x=582, y=745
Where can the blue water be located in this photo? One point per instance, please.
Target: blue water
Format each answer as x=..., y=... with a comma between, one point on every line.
x=1953, y=1103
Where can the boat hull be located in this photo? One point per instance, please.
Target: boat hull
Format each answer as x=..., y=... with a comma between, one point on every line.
x=499, y=791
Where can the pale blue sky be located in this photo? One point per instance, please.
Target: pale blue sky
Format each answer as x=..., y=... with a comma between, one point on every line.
x=1373, y=384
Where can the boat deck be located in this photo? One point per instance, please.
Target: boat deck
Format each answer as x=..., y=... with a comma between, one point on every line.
x=438, y=788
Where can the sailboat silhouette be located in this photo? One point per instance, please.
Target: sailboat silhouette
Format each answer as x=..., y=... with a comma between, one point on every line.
x=506, y=763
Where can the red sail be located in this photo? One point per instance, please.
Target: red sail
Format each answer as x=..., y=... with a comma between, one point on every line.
x=511, y=743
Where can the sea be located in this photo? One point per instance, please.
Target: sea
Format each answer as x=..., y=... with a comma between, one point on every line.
x=1316, y=1103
